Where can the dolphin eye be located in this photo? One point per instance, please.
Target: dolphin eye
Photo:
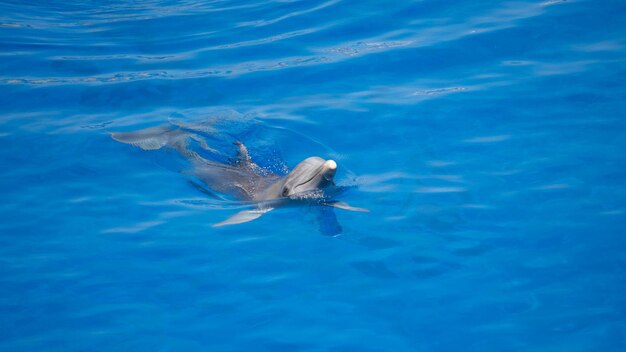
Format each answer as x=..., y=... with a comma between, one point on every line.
x=285, y=192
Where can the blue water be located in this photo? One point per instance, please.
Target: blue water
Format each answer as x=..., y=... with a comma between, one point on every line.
x=487, y=138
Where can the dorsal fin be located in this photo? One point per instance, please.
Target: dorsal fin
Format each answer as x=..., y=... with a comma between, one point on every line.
x=244, y=160
x=242, y=155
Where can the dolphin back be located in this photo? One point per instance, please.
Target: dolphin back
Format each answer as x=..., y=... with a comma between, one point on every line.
x=242, y=179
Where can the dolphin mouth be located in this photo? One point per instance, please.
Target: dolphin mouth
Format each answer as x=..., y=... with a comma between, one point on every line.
x=329, y=165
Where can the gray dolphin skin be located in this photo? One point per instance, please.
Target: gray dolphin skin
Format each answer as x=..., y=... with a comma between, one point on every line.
x=243, y=178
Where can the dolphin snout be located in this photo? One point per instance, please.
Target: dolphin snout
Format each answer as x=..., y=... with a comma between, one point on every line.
x=329, y=168
x=330, y=164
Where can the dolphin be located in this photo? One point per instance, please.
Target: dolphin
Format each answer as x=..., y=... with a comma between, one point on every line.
x=242, y=178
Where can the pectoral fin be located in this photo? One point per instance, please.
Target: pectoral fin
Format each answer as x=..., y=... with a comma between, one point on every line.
x=203, y=189
x=327, y=221
x=243, y=216
x=346, y=206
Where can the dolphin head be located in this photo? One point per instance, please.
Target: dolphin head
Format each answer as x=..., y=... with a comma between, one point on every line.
x=311, y=174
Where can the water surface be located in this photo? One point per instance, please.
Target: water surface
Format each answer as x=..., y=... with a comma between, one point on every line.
x=486, y=137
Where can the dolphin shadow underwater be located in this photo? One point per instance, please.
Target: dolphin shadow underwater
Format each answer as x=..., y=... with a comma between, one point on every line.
x=311, y=182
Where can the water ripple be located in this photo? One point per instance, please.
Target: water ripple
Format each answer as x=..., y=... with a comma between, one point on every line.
x=484, y=137
x=203, y=46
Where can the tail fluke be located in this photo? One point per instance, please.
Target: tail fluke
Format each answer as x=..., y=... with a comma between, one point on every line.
x=151, y=138
x=154, y=138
